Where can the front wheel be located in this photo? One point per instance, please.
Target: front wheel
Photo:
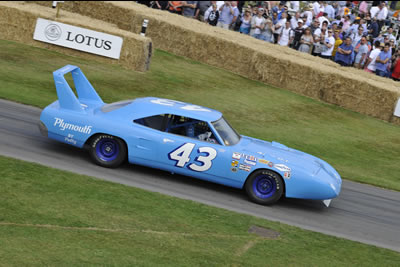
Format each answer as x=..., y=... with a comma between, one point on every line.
x=107, y=150
x=264, y=187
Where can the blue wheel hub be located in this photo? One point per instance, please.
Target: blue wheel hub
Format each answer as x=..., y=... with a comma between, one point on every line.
x=264, y=186
x=107, y=149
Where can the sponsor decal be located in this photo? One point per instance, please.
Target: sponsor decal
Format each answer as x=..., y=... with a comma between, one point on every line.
x=70, y=139
x=270, y=164
x=249, y=162
x=234, y=163
x=78, y=38
x=250, y=158
x=73, y=127
x=236, y=155
x=244, y=167
x=234, y=169
x=287, y=175
x=166, y=140
x=263, y=161
x=282, y=167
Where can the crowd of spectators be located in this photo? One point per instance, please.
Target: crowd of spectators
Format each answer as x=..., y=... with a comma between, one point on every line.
x=359, y=34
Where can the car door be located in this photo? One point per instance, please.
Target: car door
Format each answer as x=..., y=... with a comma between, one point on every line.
x=208, y=160
x=144, y=140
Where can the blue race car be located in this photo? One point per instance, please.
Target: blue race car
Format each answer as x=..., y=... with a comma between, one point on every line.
x=182, y=138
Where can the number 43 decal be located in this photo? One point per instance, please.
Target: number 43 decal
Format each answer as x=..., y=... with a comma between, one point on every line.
x=182, y=153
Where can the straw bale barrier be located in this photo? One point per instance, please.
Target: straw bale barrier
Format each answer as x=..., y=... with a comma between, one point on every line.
x=18, y=21
x=279, y=66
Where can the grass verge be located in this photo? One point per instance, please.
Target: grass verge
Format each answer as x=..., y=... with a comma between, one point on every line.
x=53, y=217
x=361, y=148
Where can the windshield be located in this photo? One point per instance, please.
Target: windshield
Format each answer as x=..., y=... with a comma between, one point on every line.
x=229, y=136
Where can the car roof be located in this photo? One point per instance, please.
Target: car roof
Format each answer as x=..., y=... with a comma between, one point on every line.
x=150, y=106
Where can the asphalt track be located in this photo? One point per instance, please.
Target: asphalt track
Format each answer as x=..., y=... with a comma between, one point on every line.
x=362, y=213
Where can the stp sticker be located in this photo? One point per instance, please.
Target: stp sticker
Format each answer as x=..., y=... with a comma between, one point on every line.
x=236, y=155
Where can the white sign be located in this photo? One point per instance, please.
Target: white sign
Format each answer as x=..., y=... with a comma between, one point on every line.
x=78, y=38
x=397, y=109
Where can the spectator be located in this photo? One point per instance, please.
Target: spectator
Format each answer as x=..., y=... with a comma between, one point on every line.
x=373, y=28
x=308, y=13
x=294, y=6
x=363, y=24
x=317, y=46
x=362, y=52
x=212, y=16
x=294, y=20
x=268, y=31
x=323, y=18
x=343, y=54
x=246, y=23
x=286, y=36
x=356, y=37
x=306, y=41
x=175, y=7
x=390, y=34
x=298, y=32
x=202, y=7
x=370, y=65
x=363, y=8
x=324, y=27
x=162, y=5
x=258, y=24
x=396, y=68
x=189, y=8
x=329, y=43
x=353, y=28
x=338, y=42
x=381, y=14
x=382, y=61
x=329, y=10
x=392, y=47
x=316, y=8
x=228, y=15
x=346, y=22
x=278, y=27
x=314, y=26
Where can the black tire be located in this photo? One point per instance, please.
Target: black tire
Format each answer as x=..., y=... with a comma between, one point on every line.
x=107, y=150
x=264, y=187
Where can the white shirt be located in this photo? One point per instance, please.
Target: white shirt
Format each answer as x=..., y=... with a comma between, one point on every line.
x=295, y=6
x=382, y=14
x=322, y=19
x=293, y=23
x=316, y=8
x=330, y=40
x=219, y=4
x=282, y=23
x=285, y=36
x=309, y=17
x=374, y=10
x=373, y=55
x=258, y=21
x=318, y=32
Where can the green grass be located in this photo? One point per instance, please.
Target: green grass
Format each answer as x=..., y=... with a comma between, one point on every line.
x=361, y=148
x=53, y=217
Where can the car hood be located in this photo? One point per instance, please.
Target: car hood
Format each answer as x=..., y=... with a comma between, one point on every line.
x=279, y=153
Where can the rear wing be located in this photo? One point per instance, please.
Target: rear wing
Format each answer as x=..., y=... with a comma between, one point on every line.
x=66, y=97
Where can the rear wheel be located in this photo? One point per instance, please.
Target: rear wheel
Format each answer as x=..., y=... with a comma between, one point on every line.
x=107, y=150
x=264, y=187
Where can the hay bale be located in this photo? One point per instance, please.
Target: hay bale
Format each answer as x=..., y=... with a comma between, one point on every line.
x=18, y=21
x=279, y=66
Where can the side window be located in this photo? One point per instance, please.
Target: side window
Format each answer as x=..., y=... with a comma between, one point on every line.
x=157, y=122
x=189, y=127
